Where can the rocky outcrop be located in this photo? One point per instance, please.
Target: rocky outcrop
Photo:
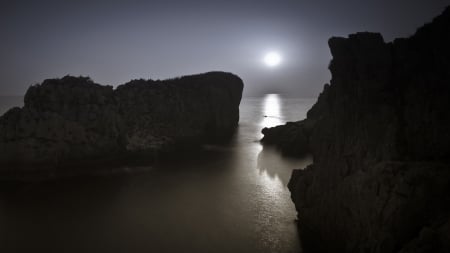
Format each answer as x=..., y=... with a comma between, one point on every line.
x=380, y=181
x=72, y=120
x=291, y=139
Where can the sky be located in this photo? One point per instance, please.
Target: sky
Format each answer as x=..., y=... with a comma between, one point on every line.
x=116, y=41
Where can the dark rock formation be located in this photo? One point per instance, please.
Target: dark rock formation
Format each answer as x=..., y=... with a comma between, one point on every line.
x=291, y=139
x=72, y=120
x=380, y=181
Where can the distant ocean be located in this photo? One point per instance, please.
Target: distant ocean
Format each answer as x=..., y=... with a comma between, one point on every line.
x=230, y=198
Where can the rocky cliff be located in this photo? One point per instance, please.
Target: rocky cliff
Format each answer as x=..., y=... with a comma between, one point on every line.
x=72, y=120
x=379, y=135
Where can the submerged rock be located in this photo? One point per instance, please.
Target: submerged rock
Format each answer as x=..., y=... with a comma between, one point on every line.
x=74, y=120
x=380, y=181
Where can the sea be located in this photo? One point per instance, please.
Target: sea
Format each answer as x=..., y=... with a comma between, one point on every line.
x=227, y=198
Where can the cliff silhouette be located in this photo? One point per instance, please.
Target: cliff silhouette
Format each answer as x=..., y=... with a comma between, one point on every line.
x=379, y=135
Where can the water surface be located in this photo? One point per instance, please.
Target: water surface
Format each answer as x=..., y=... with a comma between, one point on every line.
x=230, y=198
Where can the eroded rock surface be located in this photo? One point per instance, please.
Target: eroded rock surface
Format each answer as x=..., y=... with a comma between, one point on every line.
x=73, y=119
x=380, y=181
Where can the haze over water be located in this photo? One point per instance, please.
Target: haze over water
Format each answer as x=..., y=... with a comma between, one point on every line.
x=230, y=198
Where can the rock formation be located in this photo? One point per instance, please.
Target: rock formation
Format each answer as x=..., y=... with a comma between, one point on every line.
x=72, y=120
x=291, y=138
x=379, y=135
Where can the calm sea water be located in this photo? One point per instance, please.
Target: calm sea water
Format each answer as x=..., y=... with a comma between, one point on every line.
x=229, y=198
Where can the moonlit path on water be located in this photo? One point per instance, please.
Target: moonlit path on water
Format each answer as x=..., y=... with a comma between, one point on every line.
x=230, y=198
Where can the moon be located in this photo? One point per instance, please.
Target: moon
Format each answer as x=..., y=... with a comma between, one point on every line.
x=272, y=59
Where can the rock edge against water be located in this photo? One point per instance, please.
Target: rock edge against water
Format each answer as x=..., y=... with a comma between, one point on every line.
x=73, y=120
x=379, y=135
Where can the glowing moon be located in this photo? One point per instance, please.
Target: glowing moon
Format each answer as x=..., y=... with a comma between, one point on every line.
x=272, y=59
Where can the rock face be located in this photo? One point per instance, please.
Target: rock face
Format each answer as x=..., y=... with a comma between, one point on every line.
x=380, y=138
x=68, y=120
x=291, y=139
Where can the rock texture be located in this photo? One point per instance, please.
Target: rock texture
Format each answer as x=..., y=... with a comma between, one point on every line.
x=380, y=138
x=291, y=139
x=71, y=120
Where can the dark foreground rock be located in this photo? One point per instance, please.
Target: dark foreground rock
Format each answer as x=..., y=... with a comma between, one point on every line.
x=74, y=120
x=380, y=181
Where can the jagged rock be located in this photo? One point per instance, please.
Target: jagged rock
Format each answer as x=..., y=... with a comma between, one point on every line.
x=71, y=120
x=291, y=138
x=380, y=181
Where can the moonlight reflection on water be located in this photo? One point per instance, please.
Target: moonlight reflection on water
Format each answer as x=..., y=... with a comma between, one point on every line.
x=230, y=198
x=272, y=111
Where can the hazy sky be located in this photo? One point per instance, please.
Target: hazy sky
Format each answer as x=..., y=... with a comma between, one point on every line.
x=115, y=41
